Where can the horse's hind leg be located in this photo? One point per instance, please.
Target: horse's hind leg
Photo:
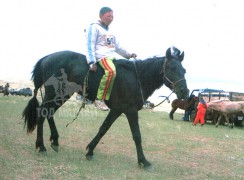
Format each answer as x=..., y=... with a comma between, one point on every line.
x=219, y=119
x=46, y=110
x=39, y=139
x=171, y=114
x=54, y=134
x=112, y=116
x=54, y=105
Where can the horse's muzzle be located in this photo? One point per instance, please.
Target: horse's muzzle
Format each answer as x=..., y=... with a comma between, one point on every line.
x=182, y=93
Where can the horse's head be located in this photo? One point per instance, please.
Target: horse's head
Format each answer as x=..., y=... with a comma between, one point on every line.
x=174, y=73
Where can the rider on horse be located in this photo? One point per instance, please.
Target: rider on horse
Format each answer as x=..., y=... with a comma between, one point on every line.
x=101, y=47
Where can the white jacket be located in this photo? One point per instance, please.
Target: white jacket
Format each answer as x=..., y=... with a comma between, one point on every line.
x=100, y=43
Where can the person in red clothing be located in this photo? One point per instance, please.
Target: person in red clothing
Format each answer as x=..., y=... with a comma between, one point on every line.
x=201, y=110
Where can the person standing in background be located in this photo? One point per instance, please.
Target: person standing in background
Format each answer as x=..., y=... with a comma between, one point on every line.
x=201, y=110
x=6, y=90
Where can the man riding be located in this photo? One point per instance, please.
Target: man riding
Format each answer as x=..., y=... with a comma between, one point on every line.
x=101, y=47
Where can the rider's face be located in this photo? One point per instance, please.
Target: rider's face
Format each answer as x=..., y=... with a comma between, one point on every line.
x=107, y=18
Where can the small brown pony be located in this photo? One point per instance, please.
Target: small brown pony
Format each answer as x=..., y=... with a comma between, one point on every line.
x=185, y=104
x=226, y=107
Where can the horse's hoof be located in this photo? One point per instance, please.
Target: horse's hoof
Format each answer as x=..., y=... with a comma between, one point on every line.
x=89, y=157
x=231, y=126
x=55, y=147
x=42, y=150
x=146, y=167
x=43, y=153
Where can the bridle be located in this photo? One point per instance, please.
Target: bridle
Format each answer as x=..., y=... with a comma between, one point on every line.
x=172, y=84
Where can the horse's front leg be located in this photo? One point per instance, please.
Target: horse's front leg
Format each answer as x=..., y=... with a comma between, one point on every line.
x=111, y=117
x=171, y=114
x=219, y=119
x=132, y=117
x=227, y=120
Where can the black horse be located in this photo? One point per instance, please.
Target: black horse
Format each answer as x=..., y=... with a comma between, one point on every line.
x=64, y=73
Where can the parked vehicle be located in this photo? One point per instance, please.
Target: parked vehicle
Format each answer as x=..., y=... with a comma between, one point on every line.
x=21, y=92
x=13, y=91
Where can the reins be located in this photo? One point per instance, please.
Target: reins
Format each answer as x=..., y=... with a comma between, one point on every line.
x=163, y=69
x=85, y=85
x=137, y=76
x=166, y=98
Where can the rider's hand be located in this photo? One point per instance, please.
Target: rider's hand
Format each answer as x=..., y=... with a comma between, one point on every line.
x=93, y=67
x=133, y=55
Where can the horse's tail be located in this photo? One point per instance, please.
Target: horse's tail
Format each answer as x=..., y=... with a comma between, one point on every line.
x=30, y=113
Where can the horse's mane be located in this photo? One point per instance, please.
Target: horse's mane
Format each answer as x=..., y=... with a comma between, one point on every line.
x=149, y=65
x=148, y=71
x=139, y=62
x=123, y=63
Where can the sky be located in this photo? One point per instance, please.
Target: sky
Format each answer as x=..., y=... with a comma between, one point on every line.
x=210, y=32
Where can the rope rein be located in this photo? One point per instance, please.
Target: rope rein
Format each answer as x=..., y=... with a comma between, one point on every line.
x=166, y=98
x=137, y=76
x=85, y=85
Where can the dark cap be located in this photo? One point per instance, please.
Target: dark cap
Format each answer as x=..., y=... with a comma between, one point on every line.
x=104, y=10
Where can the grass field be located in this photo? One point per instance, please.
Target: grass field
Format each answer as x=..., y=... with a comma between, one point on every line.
x=176, y=149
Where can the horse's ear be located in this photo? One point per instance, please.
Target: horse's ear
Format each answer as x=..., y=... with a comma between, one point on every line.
x=182, y=56
x=168, y=53
x=176, y=51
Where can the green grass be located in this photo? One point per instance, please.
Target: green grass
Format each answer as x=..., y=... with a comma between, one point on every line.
x=176, y=149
